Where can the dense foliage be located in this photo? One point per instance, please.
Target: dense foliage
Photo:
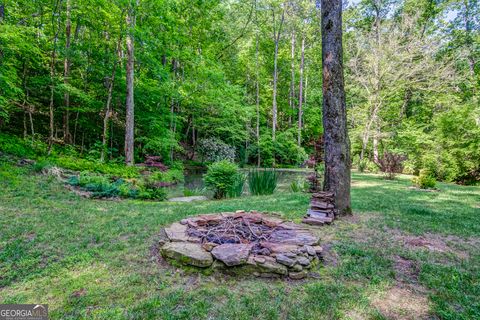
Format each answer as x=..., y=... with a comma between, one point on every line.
x=209, y=83
x=223, y=178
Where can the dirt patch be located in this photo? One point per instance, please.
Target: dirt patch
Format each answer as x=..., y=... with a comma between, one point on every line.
x=402, y=303
x=329, y=256
x=406, y=270
x=437, y=243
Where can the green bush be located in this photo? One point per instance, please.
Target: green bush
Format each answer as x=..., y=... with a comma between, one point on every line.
x=425, y=180
x=171, y=176
x=118, y=170
x=262, y=182
x=24, y=148
x=221, y=177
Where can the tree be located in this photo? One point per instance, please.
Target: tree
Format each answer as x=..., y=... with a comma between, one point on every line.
x=129, y=105
x=337, y=146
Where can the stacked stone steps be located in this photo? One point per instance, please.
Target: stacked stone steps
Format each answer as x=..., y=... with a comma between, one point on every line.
x=322, y=209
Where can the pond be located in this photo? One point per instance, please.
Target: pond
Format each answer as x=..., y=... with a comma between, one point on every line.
x=193, y=181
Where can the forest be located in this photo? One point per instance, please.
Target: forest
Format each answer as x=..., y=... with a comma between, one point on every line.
x=118, y=81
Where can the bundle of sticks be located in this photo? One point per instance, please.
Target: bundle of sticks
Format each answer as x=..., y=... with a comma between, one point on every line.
x=322, y=209
x=232, y=230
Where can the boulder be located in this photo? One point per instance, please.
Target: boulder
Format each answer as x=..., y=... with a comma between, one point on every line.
x=187, y=253
x=232, y=254
x=303, y=261
x=286, y=261
x=298, y=275
x=177, y=232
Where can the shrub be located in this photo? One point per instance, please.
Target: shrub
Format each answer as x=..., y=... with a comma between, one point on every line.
x=425, y=180
x=213, y=149
x=221, y=177
x=391, y=164
x=262, y=182
x=171, y=176
x=299, y=185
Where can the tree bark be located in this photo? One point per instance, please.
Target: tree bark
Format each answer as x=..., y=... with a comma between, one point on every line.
x=66, y=75
x=292, y=81
x=108, y=109
x=300, y=93
x=52, y=84
x=337, y=146
x=129, y=118
x=257, y=101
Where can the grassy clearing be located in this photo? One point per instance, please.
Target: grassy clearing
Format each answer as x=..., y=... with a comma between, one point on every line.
x=404, y=254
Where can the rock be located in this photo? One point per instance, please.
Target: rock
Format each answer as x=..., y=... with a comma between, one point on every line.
x=279, y=247
x=283, y=259
x=187, y=253
x=291, y=255
x=272, y=222
x=311, y=251
x=240, y=211
x=271, y=265
x=259, y=259
x=298, y=275
x=318, y=250
x=188, y=199
x=298, y=237
x=209, y=246
x=303, y=261
x=177, y=232
x=232, y=254
x=297, y=267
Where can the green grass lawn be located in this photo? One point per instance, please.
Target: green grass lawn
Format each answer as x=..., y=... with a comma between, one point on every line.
x=404, y=254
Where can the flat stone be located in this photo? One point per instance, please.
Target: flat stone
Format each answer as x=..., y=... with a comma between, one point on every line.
x=303, y=261
x=177, y=232
x=209, y=246
x=298, y=275
x=232, y=254
x=271, y=265
x=283, y=259
x=290, y=254
x=279, y=247
x=187, y=253
x=311, y=251
x=318, y=250
x=298, y=237
x=272, y=222
x=297, y=267
x=188, y=199
x=259, y=259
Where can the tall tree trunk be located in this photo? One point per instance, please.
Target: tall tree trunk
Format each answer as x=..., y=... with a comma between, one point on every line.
x=337, y=145
x=52, y=81
x=108, y=109
x=276, y=39
x=66, y=75
x=257, y=101
x=292, y=81
x=129, y=119
x=300, y=93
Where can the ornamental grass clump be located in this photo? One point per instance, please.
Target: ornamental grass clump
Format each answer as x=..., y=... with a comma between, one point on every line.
x=262, y=182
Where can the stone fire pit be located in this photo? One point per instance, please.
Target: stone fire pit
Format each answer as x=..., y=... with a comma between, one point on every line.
x=242, y=242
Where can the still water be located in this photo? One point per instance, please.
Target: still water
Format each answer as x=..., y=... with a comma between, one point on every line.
x=193, y=181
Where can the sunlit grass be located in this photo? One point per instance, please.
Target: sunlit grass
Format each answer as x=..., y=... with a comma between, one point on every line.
x=93, y=258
